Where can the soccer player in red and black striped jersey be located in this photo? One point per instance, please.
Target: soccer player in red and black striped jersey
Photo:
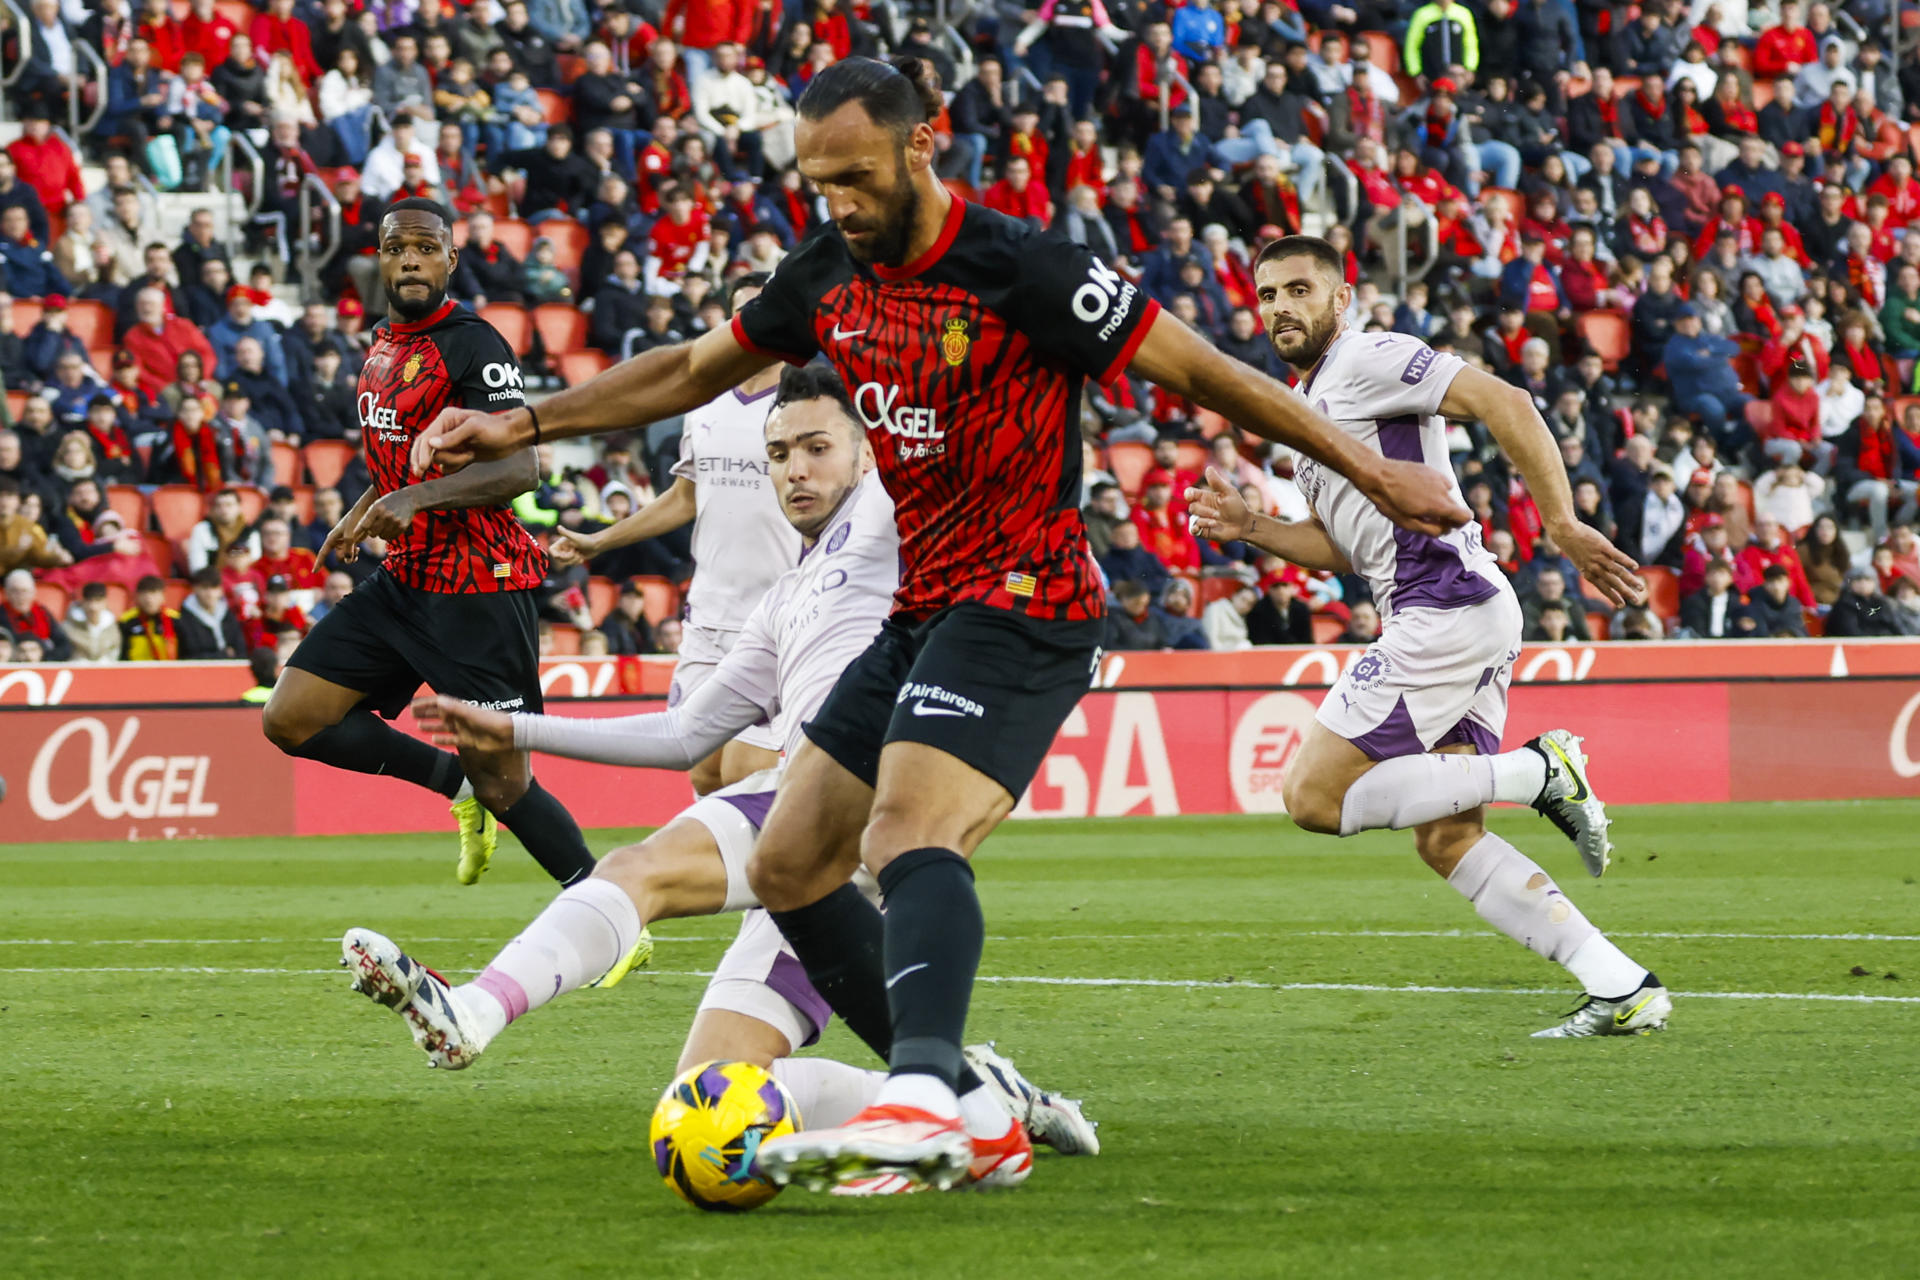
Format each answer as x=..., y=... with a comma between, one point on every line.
x=451, y=606
x=966, y=338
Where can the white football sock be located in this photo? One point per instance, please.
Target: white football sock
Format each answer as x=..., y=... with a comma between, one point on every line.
x=983, y=1115
x=1409, y=790
x=917, y=1089
x=582, y=934
x=827, y=1093
x=1511, y=893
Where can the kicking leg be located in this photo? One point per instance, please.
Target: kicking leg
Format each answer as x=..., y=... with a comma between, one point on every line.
x=504, y=784
x=316, y=719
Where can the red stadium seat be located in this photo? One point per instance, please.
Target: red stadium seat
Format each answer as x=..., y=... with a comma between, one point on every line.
x=1193, y=582
x=510, y=318
x=160, y=547
x=178, y=589
x=556, y=106
x=238, y=12
x=1898, y=409
x=1129, y=460
x=1747, y=368
x=571, y=67
x=119, y=599
x=303, y=502
x=1327, y=628
x=253, y=502
x=101, y=358
x=1210, y=423
x=286, y=463
x=663, y=598
x=1608, y=333
x=1515, y=206
x=1816, y=625
x=1663, y=591
x=52, y=597
x=1212, y=589
x=562, y=327
x=177, y=508
x=91, y=322
x=602, y=595
x=1385, y=50
x=965, y=190
x=1194, y=457
x=578, y=366
x=16, y=400
x=570, y=243
x=515, y=236
x=499, y=204
x=130, y=503
x=1599, y=624
x=1760, y=416
x=327, y=461
x=565, y=640
x=26, y=314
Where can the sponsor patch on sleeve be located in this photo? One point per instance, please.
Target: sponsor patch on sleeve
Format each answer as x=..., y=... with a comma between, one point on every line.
x=1417, y=367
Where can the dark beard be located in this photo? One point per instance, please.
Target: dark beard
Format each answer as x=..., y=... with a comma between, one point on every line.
x=903, y=212
x=408, y=313
x=1317, y=341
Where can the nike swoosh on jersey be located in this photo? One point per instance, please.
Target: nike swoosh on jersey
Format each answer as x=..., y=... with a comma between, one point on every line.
x=841, y=335
x=922, y=709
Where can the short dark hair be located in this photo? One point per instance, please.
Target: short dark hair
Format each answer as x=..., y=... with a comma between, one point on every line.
x=751, y=280
x=94, y=591
x=813, y=382
x=421, y=204
x=900, y=94
x=207, y=577
x=8, y=485
x=1130, y=590
x=150, y=582
x=1303, y=247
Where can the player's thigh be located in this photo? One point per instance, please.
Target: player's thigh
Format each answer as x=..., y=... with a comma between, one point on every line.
x=1318, y=777
x=480, y=647
x=677, y=871
x=760, y=979
x=980, y=707
x=721, y=1035
x=350, y=657
x=302, y=705
x=1444, y=841
x=810, y=842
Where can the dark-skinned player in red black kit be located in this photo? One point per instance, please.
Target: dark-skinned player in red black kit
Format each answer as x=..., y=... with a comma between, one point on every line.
x=452, y=604
x=966, y=337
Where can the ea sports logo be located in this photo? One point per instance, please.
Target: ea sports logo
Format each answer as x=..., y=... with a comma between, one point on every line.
x=1266, y=738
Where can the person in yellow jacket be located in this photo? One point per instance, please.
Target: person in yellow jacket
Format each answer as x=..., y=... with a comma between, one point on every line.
x=150, y=631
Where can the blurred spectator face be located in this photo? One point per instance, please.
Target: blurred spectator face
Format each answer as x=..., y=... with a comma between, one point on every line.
x=1586, y=498
x=1186, y=310
x=215, y=276
x=1719, y=578
x=1159, y=39
x=192, y=413
x=29, y=649
x=250, y=355
x=1178, y=598
x=1714, y=538
x=328, y=507
x=1019, y=173
x=339, y=587
x=1553, y=622
x=207, y=594
x=1125, y=536
x=19, y=591
x=1573, y=451
x=1776, y=584
x=70, y=370
x=240, y=309
x=1501, y=544
x=1133, y=598
x=1107, y=502
x=275, y=538
x=1364, y=619
x=626, y=267
x=667, y=635
x=224, y=509
x=152, y=600
x=1533, y=358
x=13, y=224
x=1157, y=496
x=1549, y=585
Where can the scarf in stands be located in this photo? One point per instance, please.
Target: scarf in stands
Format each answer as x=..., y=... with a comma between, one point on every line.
x=1865, y=364
x=36, y=621
x=1868, y=278
x=1695, y=122
x=1368, y=119
x=111, y=446
x=1138, y=241
x=1438, y=123
x=1876, y=450
x=1609, y=109
x=1837, y=129
x=1656, y=112
x=202, y=460
x=1764, y=317
x=1740, y=117
x=162, y=638
x=1648, y=236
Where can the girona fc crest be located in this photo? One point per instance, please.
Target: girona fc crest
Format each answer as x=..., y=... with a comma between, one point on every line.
x=954, y=342
x=411, y=369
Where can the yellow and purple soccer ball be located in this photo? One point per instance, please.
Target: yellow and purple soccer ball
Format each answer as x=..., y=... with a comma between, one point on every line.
x=708, y=1129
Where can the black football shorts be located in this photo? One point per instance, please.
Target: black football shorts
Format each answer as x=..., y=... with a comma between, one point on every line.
x=387, y=639
x=986, y=685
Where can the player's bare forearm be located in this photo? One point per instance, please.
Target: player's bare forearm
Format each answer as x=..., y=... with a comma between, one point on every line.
x=484, y=484
x=670, y=511
x=1518, y=428
x=1301, y=542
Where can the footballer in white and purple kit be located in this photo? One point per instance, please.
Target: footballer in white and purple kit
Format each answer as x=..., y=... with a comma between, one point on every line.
x=1408, y=738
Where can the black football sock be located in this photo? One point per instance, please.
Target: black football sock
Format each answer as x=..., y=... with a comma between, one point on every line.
x=841, y=943
x=365, y=743
x=934, y=933
x=550, y=834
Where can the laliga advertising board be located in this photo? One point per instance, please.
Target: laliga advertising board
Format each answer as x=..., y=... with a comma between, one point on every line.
x=1166, y=733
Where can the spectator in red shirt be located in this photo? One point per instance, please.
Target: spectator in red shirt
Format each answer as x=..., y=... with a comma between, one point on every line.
x=1161, y=531
x=1793, y=343
x=279, y=558
x=1783, y=50
x=1017, y=195
x=1900, y=190
x=278, y=614
x=1772, y=546
x=1794, y=434
x=679, y=241
x=699, y=25
x=278, y=28
x=46, y=163
x=1710, y=546
x=207, y=32
x=158, y=29
x=160, y=338
x=1582, y=277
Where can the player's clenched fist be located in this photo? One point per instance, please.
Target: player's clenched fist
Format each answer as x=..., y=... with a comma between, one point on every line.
x=453, y=723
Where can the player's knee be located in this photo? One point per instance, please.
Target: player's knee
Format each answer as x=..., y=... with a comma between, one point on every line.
x=777, y=882
x=495, y=792
x=1441, y=845
x=285, y=727
x=1311, y=805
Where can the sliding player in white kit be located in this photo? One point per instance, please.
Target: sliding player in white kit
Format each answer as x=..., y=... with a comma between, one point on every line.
x=759, y=1006
x=1409, y=736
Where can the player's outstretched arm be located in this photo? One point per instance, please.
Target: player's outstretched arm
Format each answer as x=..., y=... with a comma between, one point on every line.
x=1510, y=415
x=664, y=514
x=1410, y=494
x=1218, y=512
x=346, y=536
x=484, y=484
x=653, y=385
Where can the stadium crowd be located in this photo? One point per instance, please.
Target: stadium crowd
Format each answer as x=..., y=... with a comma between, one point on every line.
x=1682, y=226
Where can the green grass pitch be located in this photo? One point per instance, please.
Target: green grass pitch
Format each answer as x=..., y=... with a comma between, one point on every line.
x=187, y=1087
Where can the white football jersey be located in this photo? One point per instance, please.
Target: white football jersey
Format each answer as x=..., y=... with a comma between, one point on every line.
x=741, y=538
x=1385, y=389
x=820, y=615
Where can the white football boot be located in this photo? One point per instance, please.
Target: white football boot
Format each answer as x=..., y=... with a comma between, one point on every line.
x=1050, y=1119
x=1645, y=1010
x=1568, y=802
x=387, y=975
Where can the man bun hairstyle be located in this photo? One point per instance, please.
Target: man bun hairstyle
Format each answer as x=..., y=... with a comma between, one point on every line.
x=900, y=94
x=1303, y=247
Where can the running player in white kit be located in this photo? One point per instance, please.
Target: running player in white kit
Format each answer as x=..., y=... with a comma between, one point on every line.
x=1409, y=736
x=741, y=543
x=759, y=1006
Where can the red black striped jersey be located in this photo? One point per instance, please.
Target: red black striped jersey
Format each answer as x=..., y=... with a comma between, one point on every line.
x=966, y=367
x=454, y=359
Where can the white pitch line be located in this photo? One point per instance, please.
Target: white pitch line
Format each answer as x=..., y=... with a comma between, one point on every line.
x=1470, y=934
x=1193, y=984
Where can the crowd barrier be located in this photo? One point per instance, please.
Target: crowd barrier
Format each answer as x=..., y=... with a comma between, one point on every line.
x=135, y=753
